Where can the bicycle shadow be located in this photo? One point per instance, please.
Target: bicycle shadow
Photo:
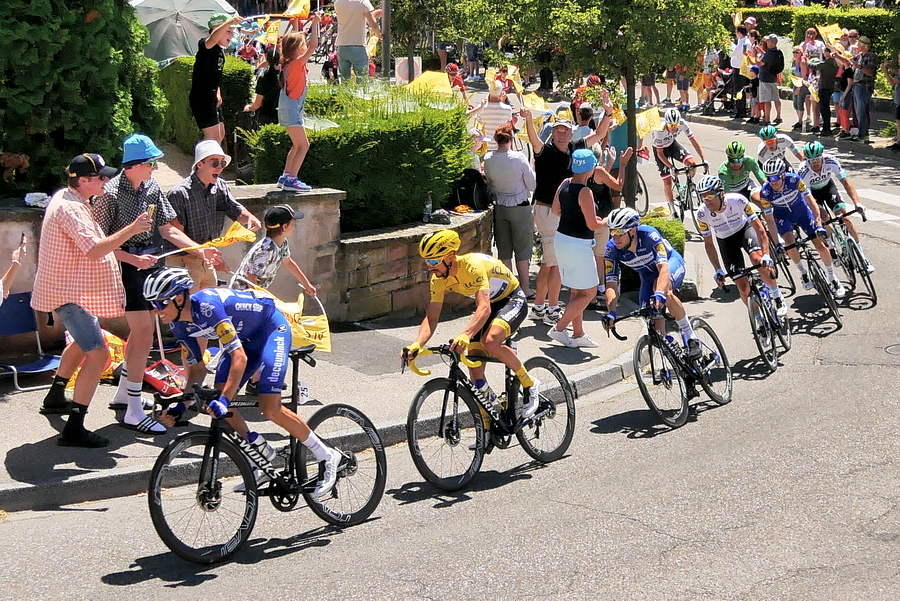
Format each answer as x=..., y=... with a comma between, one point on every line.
x=637, y=423
x=858, y=300
x=754, y=369
x=181, y=573
x=811, y=317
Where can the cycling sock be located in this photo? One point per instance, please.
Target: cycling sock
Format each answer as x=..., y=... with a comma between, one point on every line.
x=684, y=324
x=829, y=272
x=318, y=448
x=775, y=292
x=801, y=268
x=524, y=378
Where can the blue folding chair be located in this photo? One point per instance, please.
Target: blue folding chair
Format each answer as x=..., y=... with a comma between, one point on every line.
x=17, y=317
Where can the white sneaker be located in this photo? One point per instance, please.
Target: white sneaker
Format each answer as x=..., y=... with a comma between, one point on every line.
x=531, y=399
x=552, y=316
x=561, y=337
x=584, y=342
x=838, y=289
x=807, y=283
x=329, y=478
x=537, y=313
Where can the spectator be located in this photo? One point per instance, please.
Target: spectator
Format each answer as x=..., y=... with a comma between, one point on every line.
x=649, y=90
x=456, y=81
x=799, y=70
x=826, y=76
x=770, y=66
x=740, y=47
x=201, y=202
x=510, y=181
x=811, y=46
x=844, y=83
x=472, y=51
x=130, y=194
x=78, y=278
x=11, y=273
x=267, y=90
x=352, y=16
x=205, y=96
x=864, y=66
x=496, y=112
x=581, y=93
x=892, y=74
x=585, y=123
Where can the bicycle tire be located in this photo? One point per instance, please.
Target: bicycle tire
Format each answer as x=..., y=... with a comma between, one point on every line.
x=678, y=203
x=691, y=196
x=824, y=289
x=641, y=196
x=846, y=263
x=548, y=435
x=717, y=379
x=860, y=264
x=362, y=476
x=783, y=331
x=185, y=516
x=782, y=267
x=441, y=451
x=762, y=335
x=660, y=379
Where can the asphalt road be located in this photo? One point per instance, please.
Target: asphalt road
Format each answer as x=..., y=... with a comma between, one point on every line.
x=788, y=492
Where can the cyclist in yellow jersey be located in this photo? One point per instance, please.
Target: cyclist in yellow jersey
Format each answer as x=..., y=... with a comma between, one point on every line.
x=500, y=308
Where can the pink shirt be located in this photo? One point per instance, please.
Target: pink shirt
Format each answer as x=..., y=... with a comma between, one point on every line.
x=64, y=273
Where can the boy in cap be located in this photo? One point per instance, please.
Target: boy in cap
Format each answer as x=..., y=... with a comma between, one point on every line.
x=205, y=96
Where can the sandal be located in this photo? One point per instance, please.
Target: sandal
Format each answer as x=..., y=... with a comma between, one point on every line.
x=145, y=427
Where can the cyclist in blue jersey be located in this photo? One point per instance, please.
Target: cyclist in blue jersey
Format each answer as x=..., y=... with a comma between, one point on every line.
x=786, y=202
x=660, y=267
x=253, y=336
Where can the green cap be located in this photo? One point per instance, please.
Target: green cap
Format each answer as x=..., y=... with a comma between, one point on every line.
x=216, y=20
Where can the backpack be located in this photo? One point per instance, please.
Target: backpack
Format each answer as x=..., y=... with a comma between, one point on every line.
x=778, y=65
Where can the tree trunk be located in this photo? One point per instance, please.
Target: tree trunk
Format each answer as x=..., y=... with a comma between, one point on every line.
x=386, y=39
x=410, y=59
x=631, y=120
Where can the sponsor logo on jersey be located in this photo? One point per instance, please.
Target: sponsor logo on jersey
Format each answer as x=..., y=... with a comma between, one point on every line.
x=206, y=309
x=226, y=332
x=251, y=307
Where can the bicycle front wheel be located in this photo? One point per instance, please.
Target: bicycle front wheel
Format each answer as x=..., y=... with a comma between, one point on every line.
x=641, y=196
x=661, y=382
x=678, y=203
x=694, y=203
x=548, y=435
x=846, y=262
x=823, y=287
x=362, y=473
x=860, y=265
x=445, y=433
x=782, y=268
x=197, y=515
x=716, y=377
x=762, y=333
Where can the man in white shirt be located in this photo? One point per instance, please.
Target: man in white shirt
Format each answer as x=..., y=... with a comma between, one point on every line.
x=352, y=16
x=738, y=81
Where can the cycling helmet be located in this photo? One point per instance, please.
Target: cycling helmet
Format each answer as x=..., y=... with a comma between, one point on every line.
x=710, y=184
x=672, y=117
x=813, y=150
x=167, y=283
x=624, y=218
x=774, y=167
x=768, y=132
x=439, y=244
x=735, y=150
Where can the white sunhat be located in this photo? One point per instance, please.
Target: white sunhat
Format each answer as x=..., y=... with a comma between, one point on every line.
x=208, y=148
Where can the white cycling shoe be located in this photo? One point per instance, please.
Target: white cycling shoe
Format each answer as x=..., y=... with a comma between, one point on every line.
x=329, y=477
x=532, y=399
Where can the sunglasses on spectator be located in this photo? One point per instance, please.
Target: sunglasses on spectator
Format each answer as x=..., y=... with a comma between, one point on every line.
x=810, y=33
x=853, y=35
x=618, y=231
x=161, y=305
x=216, y=163
x=152, y=164
x=433, y=262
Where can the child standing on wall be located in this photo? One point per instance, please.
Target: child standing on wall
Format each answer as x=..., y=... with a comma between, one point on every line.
x=295, y=52
x=261, y=264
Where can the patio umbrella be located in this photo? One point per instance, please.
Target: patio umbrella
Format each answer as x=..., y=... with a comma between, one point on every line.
x=177, y=25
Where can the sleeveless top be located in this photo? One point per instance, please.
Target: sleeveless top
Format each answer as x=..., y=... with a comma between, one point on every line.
x=571, y=219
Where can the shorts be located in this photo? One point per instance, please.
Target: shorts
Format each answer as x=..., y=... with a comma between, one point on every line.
x=133, y=282
x=746, y=191
x=83, y=327
x=577, y=264
x=514, y=232
x=290, y=111
x=205, y=111
x=799, y=214
x=768, y=92
x=683, y=84
x=671, y=73
x=730, y=248
x=444, y=46
x=471, y=52
x=799, y=99
x=648, y=281
x=508, y=313
x=648, y=80
x=268, y=355
x=546, y=223
x=601, y=237
x=673, y=152
x=203, y=275
x=830, y=197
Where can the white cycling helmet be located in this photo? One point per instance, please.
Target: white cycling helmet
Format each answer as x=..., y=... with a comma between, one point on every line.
x=167, y=283
x=672, y=117
x=710, y=184
x=774, y=167
x=624, y=218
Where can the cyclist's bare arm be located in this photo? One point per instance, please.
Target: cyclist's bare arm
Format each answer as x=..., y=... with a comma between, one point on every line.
x=851, y=191
x=696, y=145
x=813, y=206
x=426, y=329
x=761, y=234
x=709, y=246
x=479, y=318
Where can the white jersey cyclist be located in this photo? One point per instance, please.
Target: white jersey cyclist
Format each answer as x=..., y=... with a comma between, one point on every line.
x=831, y=168
x=737, y=214
x=663, y=138
x=783, y=143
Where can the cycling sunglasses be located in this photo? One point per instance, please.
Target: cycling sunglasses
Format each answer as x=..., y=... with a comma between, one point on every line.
x=618, y=231
x=161, y=305
x=736, y=161
x=433, y=262
x=709, y=197
x=775, y=178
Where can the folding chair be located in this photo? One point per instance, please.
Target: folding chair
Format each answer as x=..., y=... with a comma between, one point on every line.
x=17, y=317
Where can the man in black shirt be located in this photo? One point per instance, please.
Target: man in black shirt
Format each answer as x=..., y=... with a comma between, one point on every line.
x=206, y=96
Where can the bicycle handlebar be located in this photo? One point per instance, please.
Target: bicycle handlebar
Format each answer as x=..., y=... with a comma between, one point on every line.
x=645, y=312
x=687, y=168
x=443, y=349
x=742, y=273
x=837, y=218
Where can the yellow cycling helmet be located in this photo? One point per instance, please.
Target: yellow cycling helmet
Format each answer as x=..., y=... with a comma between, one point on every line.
x=439, y=244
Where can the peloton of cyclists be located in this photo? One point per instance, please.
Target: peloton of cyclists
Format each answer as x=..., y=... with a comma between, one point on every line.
x=819, y=173
x=667, y=150
x=775, y=145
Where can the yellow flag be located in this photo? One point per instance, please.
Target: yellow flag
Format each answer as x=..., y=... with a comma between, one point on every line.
x=433, y=82
x=797, y=81
x=646, y=122
x=698, y=82
x=236, y=233
x=830, y=33
x=298, y=8
x=489, y=76
x=513, y=75
x=535, y=102
x=271, y=36
x=745, y=67
x=371, y=44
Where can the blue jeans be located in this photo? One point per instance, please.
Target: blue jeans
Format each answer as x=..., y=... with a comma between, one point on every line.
x=353, y=56
x=83, y=327
x=861, y=98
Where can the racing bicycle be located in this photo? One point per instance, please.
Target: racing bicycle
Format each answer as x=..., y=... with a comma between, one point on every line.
x=685, y=196
x=816, y=273
x=200, y=516
x=846, y=251
x=446, y=422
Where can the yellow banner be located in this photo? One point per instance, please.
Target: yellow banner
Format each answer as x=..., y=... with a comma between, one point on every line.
x=236, y=233
x=830, y=33
x=371, y=44
x=432, y=81
x=797, y=81
x=271, y=36
x=298, y=8
x=646, y=122
x=697, y=85
x=535, y=102
x=745, y=67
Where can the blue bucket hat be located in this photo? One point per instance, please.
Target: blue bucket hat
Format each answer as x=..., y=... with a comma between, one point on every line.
x=583, y=160
x=139, y=149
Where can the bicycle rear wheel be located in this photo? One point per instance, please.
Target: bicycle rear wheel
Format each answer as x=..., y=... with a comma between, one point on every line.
x=200, y=519
x=641, y=196
x=693, y=203
x=716, y=377
x=363, y=470
x=661, y=382
x=846, y=262
x=782, y=268
x=445, y=434
x=860, y=264
x=762, y=333
x=823, y=287
x=549, y=433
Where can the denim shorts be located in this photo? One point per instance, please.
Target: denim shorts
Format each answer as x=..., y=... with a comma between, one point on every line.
x=83, y=327
x=290, y=111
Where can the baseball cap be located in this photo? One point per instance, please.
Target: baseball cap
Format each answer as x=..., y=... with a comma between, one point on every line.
x=771, y=36
x=564, y=123
x=583, y=160
x=139, y=149
x=864, y=40
x=216, y=20
x=208, y=148
x=593, y=80
x=452, y=68
x=280, y=215
x=88, y=165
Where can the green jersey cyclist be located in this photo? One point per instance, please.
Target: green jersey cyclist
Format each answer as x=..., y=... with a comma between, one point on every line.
x=736, y=171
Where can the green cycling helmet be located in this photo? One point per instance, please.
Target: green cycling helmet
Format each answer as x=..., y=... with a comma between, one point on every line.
x=735, y=150
x=813, y=150
x=768, y=132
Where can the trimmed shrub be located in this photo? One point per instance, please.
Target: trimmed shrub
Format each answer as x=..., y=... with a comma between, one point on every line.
x=387, y=153
x=73, y=79
x=779, y=21
x=179, y=126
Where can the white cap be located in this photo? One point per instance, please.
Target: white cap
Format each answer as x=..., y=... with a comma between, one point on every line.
x=208, y=148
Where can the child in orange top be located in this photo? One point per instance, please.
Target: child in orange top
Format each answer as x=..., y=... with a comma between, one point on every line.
x=295, y=52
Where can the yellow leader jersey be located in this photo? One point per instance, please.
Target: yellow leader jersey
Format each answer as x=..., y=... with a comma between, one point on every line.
x=476, y=272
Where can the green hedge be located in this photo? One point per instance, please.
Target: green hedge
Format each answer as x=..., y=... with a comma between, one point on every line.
x=388, y=153
x=672, y=230
x=179, y=127
x=73, y=79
